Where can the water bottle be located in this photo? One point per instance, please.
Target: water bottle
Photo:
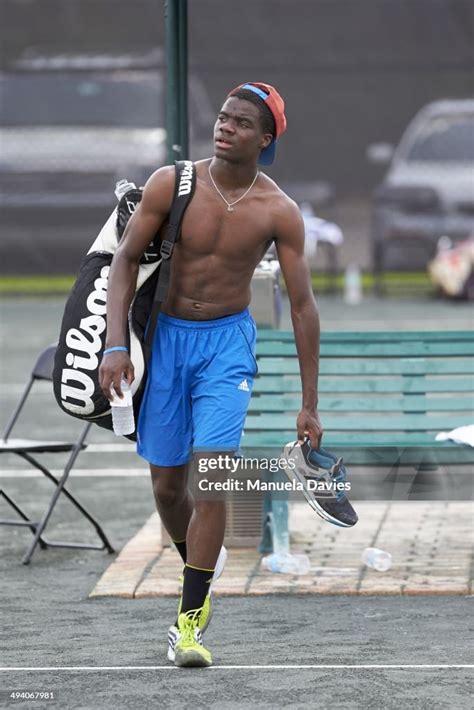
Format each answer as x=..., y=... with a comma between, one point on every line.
x=444, y=244
x=123, y=420
x=122, y=187
x=285, y=563
x=352, y=285
x=377, y=559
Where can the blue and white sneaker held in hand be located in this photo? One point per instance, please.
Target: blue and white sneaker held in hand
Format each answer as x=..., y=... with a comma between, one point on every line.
x=314, y=467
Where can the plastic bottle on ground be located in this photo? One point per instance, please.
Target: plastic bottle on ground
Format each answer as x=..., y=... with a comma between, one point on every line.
x=286, y=563
x=377, y=559
x=123, y=420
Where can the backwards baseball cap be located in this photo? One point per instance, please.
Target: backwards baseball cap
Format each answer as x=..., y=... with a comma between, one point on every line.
x=275, y=103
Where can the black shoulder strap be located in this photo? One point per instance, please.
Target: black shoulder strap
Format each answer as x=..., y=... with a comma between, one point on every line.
x=185, y=184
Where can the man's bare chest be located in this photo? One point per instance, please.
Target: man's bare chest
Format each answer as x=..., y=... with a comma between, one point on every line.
x=209, y=228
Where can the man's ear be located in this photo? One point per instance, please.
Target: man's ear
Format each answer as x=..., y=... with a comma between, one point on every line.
x=266, y=140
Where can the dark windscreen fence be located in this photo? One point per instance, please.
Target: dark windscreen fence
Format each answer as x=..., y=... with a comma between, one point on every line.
x=352, y=73
x=83, y=104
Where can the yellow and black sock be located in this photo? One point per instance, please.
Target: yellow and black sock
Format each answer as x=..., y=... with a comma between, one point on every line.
x=181, y=547
x=196, y=587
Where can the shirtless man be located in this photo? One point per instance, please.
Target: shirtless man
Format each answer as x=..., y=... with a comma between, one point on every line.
x=204, y=344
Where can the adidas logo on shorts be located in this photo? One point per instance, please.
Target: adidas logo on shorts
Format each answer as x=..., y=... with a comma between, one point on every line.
x=244, y=386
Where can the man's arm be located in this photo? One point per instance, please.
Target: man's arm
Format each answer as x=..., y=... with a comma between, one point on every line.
x=139, y=233
x=289, y=240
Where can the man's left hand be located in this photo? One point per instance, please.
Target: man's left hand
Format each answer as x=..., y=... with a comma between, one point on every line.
x=309, y=425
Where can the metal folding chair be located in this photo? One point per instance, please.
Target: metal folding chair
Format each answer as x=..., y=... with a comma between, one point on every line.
x=27, y=449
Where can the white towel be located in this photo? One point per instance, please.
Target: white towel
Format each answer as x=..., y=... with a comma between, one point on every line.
x=461, y=435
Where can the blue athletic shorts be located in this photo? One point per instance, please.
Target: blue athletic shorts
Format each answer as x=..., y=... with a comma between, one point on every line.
x=198, y=389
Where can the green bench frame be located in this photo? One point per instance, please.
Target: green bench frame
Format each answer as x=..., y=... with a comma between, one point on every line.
x=383, y=396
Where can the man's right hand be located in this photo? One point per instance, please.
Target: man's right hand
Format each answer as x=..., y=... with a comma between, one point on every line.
x=112, y=367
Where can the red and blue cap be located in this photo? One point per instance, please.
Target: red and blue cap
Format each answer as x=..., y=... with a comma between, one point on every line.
x=275, y=103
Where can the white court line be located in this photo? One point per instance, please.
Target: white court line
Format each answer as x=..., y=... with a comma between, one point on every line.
x=110, y=448
x=370, y=666
x=76, y=472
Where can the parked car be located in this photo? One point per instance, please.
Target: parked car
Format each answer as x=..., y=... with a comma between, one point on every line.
x=427, y=191
x=70, y=127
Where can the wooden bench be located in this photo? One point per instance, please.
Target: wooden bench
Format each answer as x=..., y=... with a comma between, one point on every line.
x=383, y=395
x=383, y=398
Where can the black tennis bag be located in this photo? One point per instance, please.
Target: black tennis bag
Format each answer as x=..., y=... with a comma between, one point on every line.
x=83, y=329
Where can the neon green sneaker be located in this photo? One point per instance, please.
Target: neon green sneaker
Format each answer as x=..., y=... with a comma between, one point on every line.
x=203, y=617
x=189, y=651
x=206, y=609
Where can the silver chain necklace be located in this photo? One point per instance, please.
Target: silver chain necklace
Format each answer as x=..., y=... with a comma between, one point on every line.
x=230, y=205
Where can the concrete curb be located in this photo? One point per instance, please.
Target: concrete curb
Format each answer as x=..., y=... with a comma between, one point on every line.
x=430, y=543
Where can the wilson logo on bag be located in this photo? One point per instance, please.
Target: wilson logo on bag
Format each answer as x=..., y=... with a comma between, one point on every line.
x=83, y=329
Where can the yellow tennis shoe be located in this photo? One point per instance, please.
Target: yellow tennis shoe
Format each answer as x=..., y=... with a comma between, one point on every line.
x=205, y=613
x=189, y=651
